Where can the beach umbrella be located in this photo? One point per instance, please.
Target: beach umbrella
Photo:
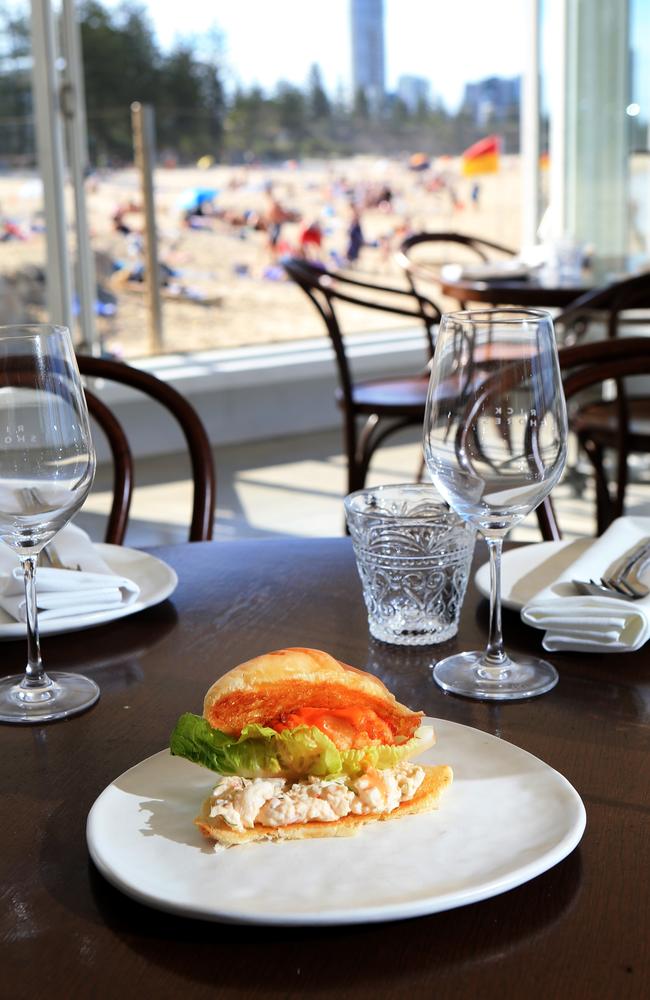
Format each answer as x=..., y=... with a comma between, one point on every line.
x=482, y=157
x=419, y=161
x=193, y=197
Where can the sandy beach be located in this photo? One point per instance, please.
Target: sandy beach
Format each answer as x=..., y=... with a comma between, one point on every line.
x=225, y=288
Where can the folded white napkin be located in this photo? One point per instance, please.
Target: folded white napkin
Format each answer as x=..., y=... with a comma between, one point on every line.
x=593, y=624
x=63, y=593
x=484, y=271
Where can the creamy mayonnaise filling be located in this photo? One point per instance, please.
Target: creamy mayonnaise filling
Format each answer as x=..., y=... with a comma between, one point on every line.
x=243, y=802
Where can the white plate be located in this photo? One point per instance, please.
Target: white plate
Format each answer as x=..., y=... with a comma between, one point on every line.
x=499, y=270
x=506, y=818
x=155, y=578
x=527, y=570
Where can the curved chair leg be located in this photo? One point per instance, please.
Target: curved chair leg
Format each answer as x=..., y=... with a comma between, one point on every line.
x=362, y=455
x=372, y=436
x=547, y=521
x=621, y=484
x=604, y=506
x=355, y=481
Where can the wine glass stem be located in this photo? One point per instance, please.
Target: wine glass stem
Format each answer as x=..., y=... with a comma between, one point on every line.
x=35, y=675
x=495, y=655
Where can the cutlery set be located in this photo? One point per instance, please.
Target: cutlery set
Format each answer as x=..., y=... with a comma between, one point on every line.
x=623, y=582
x=50, y=557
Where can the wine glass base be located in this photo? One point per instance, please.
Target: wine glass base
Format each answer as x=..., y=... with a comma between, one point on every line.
x=66, y=695
x=468, y=675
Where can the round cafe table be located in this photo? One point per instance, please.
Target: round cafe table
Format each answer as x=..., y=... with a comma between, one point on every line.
x=537, y=289
x=581, y=929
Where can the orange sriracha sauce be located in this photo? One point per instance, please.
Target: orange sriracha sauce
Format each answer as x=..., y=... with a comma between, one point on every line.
x=353, y=727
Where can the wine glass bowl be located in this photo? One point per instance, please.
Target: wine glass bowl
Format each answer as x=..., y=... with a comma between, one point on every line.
x=47, y=465
x=495, y=434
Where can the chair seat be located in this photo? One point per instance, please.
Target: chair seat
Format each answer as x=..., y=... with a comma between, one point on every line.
x=599, y=421
x=405, y=396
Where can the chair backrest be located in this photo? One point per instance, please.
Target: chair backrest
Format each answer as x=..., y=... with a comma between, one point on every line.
x=327, y=288
x=586, y=365
x=421, y=269
x=606, y=303
x=482, y=247
x=200, y=453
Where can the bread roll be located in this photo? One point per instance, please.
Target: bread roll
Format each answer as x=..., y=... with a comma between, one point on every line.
x=436, y=780
x=286, y=680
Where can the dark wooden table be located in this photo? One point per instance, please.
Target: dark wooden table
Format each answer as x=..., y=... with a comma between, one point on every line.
x=537, y=289
x=581, y=930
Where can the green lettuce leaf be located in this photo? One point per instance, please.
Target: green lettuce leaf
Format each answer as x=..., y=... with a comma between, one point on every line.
x=261, y=752
x=353, y=762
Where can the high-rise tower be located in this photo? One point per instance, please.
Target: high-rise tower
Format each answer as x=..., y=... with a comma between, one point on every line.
x=368, y=72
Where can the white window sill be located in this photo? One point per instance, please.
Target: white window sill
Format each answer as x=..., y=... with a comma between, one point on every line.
x=264, y=391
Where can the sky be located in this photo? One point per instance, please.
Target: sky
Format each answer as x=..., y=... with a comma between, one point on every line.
x=449, y=42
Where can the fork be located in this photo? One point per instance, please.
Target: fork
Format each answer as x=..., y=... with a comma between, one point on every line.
x=626, y=587
x=53, y=560
x=626, y=577
x=600, y=590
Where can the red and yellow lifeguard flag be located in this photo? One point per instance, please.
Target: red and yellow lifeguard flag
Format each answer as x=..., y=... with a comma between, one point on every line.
x=482, y=157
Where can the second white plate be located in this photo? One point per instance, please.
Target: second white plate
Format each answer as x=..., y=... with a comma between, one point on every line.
x=527, y=570
x=155, y=578
x=506, y=818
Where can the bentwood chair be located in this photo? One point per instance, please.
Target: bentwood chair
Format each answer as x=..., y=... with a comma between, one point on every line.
x=605, y=310
x=203, y=473
x=385, y=405
x=421, y=255
x=617, y=423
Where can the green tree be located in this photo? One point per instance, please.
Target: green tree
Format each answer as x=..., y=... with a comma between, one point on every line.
x=399, y=112
x=190, y=105
x=16, y=128
x=246, y=123
x=317, y=100
x=121, y=65
x=291, y=109
x=360, y=108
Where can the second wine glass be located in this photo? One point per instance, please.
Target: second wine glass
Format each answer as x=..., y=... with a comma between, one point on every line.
x=495, y=435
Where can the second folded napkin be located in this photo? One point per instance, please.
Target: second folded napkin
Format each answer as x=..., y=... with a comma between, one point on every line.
x=593, y=624
x=64, y=593
x=490, y=270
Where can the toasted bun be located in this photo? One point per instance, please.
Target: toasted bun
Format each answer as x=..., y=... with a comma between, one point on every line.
x=277, y=683
x=436, y=780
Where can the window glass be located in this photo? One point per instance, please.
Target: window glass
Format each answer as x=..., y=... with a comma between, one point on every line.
x=258, y=155
x=22, y=224
x=638, y=112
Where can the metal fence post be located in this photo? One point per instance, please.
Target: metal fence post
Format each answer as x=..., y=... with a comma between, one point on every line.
x=74, y=111
x=142, y=120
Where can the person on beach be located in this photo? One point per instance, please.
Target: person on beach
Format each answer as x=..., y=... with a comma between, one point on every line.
x=310, y=239
x=355, y=237
x=276, y=215
x=120, y=225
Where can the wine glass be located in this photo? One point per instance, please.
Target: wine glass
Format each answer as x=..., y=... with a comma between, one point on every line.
x=495, y=434
x=47, y=465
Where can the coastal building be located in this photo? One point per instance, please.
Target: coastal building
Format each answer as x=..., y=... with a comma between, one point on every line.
x=492, y=99
x=368, y=62
x=414, y=91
